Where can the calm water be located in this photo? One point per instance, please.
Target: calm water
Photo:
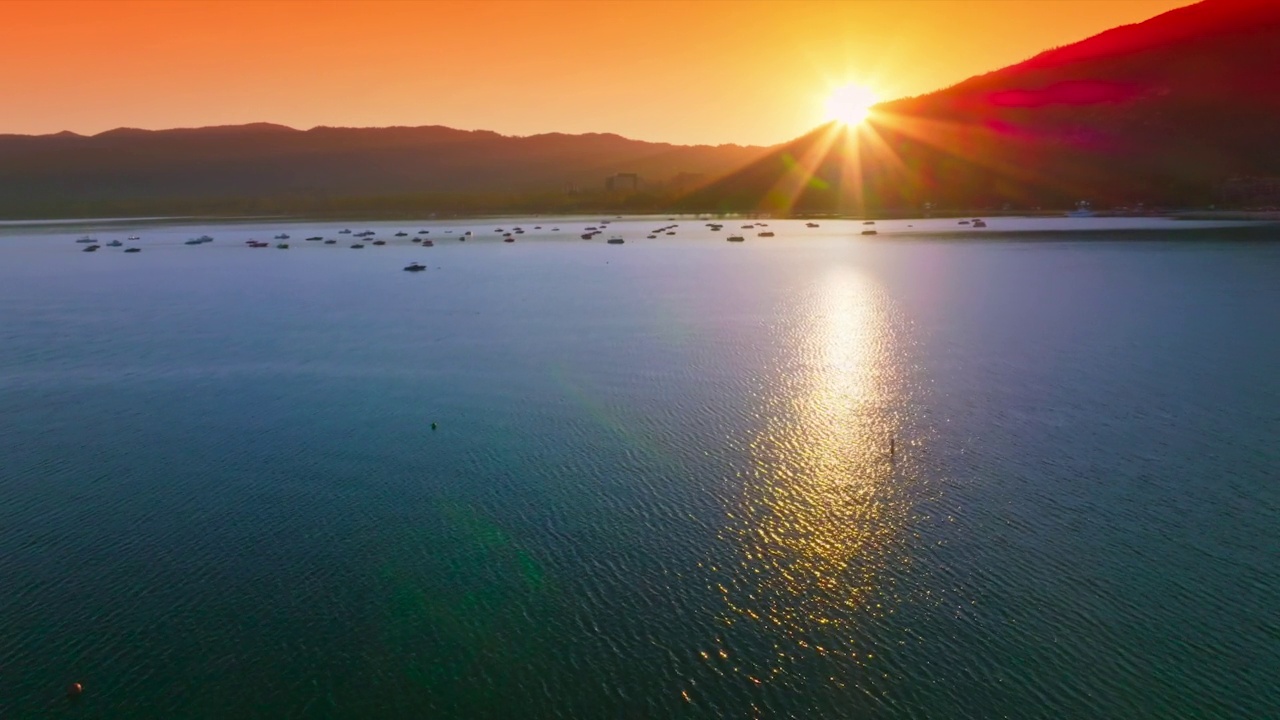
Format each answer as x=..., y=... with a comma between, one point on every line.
x=660, y=484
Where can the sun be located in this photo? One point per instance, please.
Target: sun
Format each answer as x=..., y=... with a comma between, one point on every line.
x=850, y=104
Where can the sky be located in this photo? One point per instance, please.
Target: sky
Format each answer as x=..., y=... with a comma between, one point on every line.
x=694, y=71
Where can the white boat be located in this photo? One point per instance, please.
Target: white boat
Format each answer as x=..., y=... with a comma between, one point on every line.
x=1082, y=210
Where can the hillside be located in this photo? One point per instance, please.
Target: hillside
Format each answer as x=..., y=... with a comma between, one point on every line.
x=1163, y=112
x=264, y=168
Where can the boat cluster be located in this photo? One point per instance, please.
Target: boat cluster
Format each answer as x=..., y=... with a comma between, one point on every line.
x=976, y=222
x=91, y=244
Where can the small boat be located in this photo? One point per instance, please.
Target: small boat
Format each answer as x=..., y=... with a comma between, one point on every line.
x=281, y=236
x=402, y=234
x=964, y=222
x=868, y=222
x=254, y=243
x=86, y=240
x=115, y=243
x=424, y=232
x=615, y=241
x=651, y=237
x=416, y=240
x=429, y=243
x=379, y=242
x=467, y=233
x=330, y=242
x=193, y=241
x=766, y=233
x=736, y=238
x=508, y=239
x=869, y=232
x=90, y=248
x=415, y=267
x=346, y=231
x=356, y=246
x=133, y=250
x=317, y=238
x=282, y=246
x=979, y=223
x=811, y=224
x=671, y=233
x=205, y=238
x=555, y=229
x=588, y=236
x=537, y=227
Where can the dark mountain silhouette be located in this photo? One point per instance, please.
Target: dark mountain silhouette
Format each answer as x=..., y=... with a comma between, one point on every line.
x=264, y=168
x=1163, y=112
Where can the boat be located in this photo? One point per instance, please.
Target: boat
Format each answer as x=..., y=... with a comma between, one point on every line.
x=651, y=237
x=964, y=222
x=1082, y=210
x=115, y=243
x=416, y=240
x=346, y=231
x=736, y=238
x=315, y=239
x=90, y=248
x=282, y=246
x=588, y=236
x=428, y=243
x=205, y=238
x=133, y=250
x=615, y=241
x=766, y=233
x=424, y=232
x=281, y=236
x=978, y=223
x=402, y=234
x=555, y=229
x=379, y=242
x=330, y=242
x=86, y=240
x=356, y=246
x=811, y=224
x=671, y=233
x=133, y=237
x=193, y=241
x=415, y=267
x=256, y=244
x=508, y=239
x=868, y=222
x=467, y=233
x=869, y=232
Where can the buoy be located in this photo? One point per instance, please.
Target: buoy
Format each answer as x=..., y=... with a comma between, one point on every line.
x=74, y=690
x=433, y=426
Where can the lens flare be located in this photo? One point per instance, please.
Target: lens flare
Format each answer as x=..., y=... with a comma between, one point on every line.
x=850, y=104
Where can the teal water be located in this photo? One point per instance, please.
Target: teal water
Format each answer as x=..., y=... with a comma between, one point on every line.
x=660, y=484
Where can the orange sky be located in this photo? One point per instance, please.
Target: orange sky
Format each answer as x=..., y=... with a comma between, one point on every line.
x=696, y=71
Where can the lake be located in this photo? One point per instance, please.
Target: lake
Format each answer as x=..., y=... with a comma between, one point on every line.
x=659, y=480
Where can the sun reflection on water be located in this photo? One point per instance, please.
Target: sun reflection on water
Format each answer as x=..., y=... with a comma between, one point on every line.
x=820, y=512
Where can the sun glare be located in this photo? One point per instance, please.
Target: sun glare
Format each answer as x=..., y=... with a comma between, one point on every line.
x=850, y=104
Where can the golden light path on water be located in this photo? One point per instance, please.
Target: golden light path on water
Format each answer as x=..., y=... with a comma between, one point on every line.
x=821, y=511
